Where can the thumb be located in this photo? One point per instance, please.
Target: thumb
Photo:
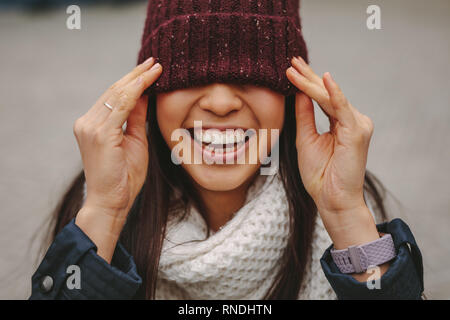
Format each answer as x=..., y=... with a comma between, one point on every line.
x=304, y=113
x=136, y=119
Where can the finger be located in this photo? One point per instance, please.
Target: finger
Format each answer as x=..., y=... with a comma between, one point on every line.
x=98, y=113
x=136, y=120
x=306, y=70
x=318, y=93
x=338, y=101
x=129, y=96
x=304, y=112
x=137, y=71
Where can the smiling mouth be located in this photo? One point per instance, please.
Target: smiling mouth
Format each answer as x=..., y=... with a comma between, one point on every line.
x=221, y=145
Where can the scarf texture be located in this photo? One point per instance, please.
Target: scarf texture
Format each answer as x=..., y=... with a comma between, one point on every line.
x=241, y=260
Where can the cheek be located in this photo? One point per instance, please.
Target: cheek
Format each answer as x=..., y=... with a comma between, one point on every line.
x=268, y=107
x=271, y=119
x=170, y=116
x=271, y=116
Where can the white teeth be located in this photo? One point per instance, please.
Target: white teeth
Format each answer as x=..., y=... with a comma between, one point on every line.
x=239, y=135
x=198, y=135
x=220, y=137
x=217, y=137
x=230, y=137
x=206, y=137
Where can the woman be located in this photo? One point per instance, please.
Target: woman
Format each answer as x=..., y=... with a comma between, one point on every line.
x=146, y=219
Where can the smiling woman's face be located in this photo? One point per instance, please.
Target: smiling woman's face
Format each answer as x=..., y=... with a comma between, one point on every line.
x=221, y=107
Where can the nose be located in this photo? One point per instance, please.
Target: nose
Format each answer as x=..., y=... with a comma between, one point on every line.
x=221, y=99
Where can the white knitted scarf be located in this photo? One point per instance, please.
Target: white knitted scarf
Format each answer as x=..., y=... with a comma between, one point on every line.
x=241, y=260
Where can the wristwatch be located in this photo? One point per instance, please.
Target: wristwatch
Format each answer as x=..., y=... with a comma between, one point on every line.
x=357, y=259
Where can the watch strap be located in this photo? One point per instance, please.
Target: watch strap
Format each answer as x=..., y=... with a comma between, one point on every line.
x=357, y=259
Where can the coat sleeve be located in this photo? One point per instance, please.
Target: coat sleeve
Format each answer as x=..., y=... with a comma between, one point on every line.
x=71, y=269
x=403, y=279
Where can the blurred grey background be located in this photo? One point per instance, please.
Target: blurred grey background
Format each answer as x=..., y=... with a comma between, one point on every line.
x=399, y=76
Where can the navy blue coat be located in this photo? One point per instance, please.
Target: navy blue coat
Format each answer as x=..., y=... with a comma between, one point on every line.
x=120, y=279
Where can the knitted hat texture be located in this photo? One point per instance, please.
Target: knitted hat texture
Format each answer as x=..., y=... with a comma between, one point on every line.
x=199, y=42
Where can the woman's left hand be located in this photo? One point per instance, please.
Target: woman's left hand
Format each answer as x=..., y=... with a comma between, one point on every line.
x=332, y=165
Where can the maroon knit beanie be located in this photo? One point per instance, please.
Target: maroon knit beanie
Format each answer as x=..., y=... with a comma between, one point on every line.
x=200, y=42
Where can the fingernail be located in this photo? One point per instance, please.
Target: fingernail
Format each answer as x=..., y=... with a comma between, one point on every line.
x=156, y=66
x=139, y=80
x=294, y=70
x=148, y=61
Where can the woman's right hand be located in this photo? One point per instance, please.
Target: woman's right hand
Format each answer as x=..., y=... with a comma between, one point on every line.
x=115, y=161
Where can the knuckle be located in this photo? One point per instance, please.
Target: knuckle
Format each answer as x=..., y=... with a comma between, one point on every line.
x=368, y=125
x=118, y=92
x=124, y=97
x=135, y=69
x=113, y=87
x=126, y=102
x=369, y=122
x=342, y=100
x=79, y=126
x=147, y=81
x=141, y=82
x=139, y=68
x=371, y=128
x=99, y=135
x=338, y=101
x=361, y=137
x=367, y=133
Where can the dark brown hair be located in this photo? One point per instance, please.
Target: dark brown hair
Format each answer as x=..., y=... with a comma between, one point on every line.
x=144, y=231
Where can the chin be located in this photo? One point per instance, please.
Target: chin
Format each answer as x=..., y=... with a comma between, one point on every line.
x=221, y=177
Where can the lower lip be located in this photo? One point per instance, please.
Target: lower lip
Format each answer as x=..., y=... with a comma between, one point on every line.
x=221, y=158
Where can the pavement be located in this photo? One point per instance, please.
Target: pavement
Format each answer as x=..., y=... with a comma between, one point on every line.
x=399, y=76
